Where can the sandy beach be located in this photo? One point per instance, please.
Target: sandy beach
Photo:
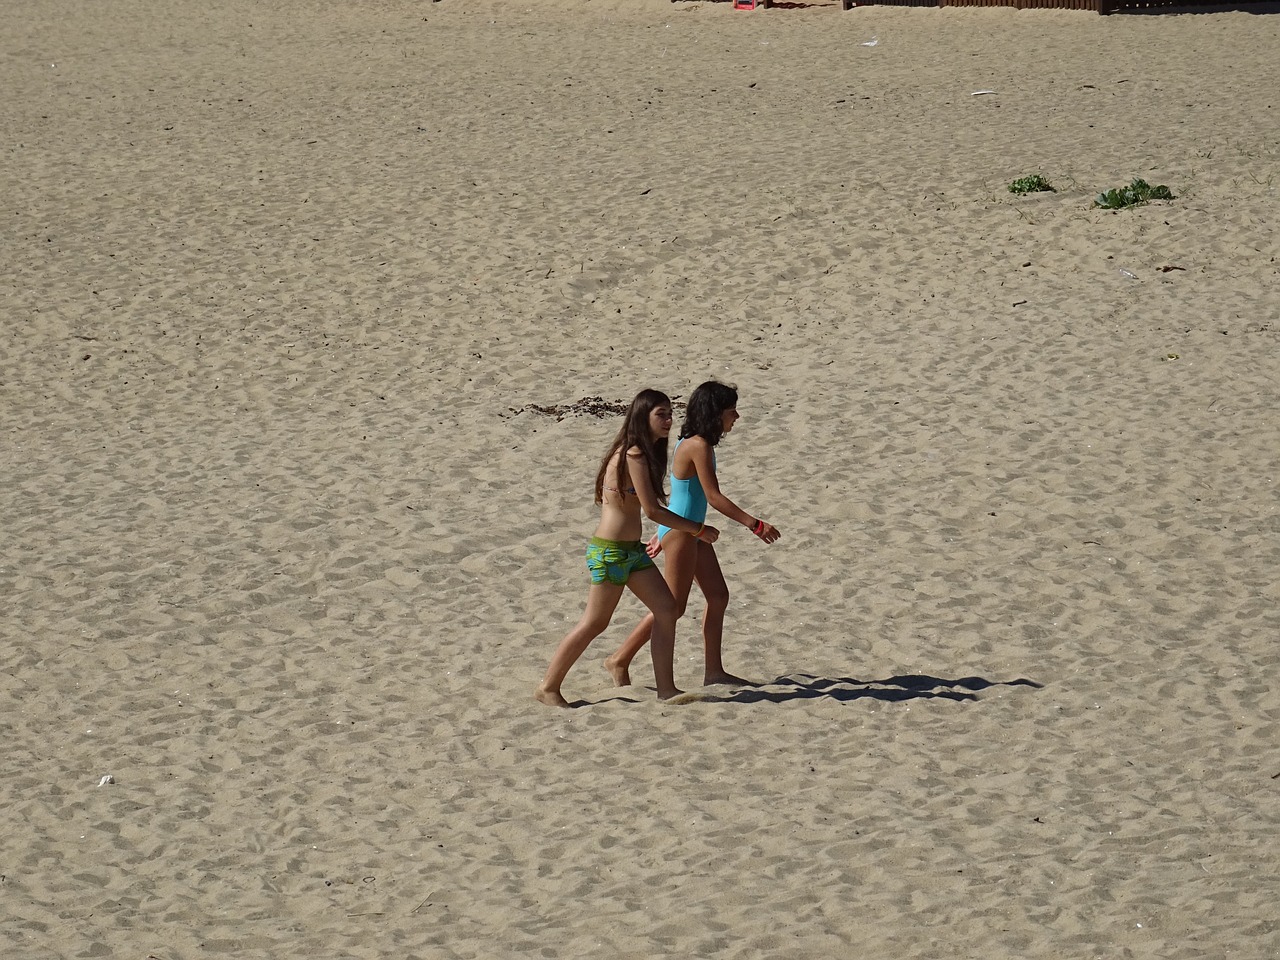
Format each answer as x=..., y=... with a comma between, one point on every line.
x=288, y=544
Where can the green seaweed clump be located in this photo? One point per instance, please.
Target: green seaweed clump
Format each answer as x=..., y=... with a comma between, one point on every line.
x=1133, y=195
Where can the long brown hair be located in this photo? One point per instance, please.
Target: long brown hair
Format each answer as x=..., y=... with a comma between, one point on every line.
x=635, y=432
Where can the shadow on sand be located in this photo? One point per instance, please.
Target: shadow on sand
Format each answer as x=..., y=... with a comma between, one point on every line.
x=803, y=686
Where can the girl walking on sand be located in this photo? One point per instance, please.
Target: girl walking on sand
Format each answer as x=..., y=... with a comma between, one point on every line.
x=712, y=411
x=629, y=481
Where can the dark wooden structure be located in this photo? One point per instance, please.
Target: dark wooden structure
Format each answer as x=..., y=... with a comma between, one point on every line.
x=1098, y=6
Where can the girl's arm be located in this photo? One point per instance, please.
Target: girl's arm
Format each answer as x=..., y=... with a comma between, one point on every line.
x=653, y=508
x=704, y=463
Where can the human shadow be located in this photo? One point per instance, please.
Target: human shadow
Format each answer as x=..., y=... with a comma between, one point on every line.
x=803, y=686
x=618, y=698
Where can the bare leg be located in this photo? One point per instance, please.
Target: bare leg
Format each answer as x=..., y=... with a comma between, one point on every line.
x=619, y=663
x=652, y=590
x=682, y=552
x=602, y=600
x=711, y=582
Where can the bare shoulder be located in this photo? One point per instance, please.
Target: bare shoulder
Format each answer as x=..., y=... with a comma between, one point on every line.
x=690, y=454
x=696, y=448
x=637, y=459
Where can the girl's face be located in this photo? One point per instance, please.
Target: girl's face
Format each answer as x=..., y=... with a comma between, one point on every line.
x=728, y=419
x=660, y=422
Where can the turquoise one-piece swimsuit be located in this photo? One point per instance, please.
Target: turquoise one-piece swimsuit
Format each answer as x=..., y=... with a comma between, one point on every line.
x=688, y=499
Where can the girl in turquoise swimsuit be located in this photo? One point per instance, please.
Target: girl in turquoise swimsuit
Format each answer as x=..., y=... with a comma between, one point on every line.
x=629, y=481
x=711, y=413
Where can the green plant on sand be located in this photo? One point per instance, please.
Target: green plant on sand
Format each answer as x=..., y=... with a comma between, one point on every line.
x=1136, y=193
x=1033, y=183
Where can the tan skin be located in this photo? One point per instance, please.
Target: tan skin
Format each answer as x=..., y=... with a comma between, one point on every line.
x=690, y=561
x=621, y=519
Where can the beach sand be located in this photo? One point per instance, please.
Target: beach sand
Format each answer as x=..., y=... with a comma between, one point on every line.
x=286, y=548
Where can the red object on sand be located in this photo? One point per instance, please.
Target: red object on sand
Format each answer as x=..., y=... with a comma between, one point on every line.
x=749, y=4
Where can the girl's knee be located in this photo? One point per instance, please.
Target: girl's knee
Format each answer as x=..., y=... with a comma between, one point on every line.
x=667, y=614
x=596, y=625
x=717, y=598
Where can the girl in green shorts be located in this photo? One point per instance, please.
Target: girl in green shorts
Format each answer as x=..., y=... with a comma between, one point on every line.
x=628, y=484
x=710, y=415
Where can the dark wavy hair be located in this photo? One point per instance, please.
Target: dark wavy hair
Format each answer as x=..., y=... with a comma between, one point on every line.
x=635, y=433
x=706, y=406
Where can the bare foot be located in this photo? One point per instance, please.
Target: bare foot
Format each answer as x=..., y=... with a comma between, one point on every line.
x=668, y=694
x=728, y=679
x=551, y=698
x=621, y=675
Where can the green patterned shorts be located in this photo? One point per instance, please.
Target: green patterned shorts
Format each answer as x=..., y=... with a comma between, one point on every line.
x=613, y=561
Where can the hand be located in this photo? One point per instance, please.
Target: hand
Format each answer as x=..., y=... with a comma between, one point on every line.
x=709, y=534
x=654, y=546
x=767, y=532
